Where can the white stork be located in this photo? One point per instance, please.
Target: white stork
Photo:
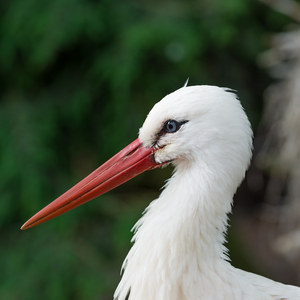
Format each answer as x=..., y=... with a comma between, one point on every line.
x=178, y=251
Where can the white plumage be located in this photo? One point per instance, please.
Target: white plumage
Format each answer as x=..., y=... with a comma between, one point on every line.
x=178, y=251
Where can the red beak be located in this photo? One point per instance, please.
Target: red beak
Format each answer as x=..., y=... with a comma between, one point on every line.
x=128, y=163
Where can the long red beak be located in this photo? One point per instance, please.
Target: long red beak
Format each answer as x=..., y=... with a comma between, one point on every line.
x=128, y=163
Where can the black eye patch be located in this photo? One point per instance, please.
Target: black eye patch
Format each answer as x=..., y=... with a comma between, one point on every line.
x=170, y=126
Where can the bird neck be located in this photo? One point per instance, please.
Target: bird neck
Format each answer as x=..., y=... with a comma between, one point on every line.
x=194, y=206
x=181, y=235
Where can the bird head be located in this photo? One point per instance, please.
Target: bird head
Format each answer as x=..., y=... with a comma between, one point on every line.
x=191, y=126
x=198, y=124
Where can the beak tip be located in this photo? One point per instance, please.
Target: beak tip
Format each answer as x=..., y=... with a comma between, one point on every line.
x=25, y=226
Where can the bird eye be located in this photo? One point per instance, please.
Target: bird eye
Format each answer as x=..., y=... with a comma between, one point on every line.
x=172, y=126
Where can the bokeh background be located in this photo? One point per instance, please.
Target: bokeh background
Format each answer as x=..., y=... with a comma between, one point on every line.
x=77, y=80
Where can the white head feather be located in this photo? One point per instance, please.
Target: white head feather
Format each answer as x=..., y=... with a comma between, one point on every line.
x=217, y=128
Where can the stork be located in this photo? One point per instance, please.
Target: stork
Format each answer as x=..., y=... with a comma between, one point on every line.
x=178, y=251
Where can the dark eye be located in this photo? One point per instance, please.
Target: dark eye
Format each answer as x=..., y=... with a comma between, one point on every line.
x=172, y=126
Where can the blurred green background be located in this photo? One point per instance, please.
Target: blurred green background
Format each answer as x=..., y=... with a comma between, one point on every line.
x=77, y=80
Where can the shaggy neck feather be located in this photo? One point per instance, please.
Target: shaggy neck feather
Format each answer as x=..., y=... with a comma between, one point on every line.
x=180, y=236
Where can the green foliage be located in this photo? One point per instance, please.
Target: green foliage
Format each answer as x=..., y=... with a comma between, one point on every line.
x=77, y=79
